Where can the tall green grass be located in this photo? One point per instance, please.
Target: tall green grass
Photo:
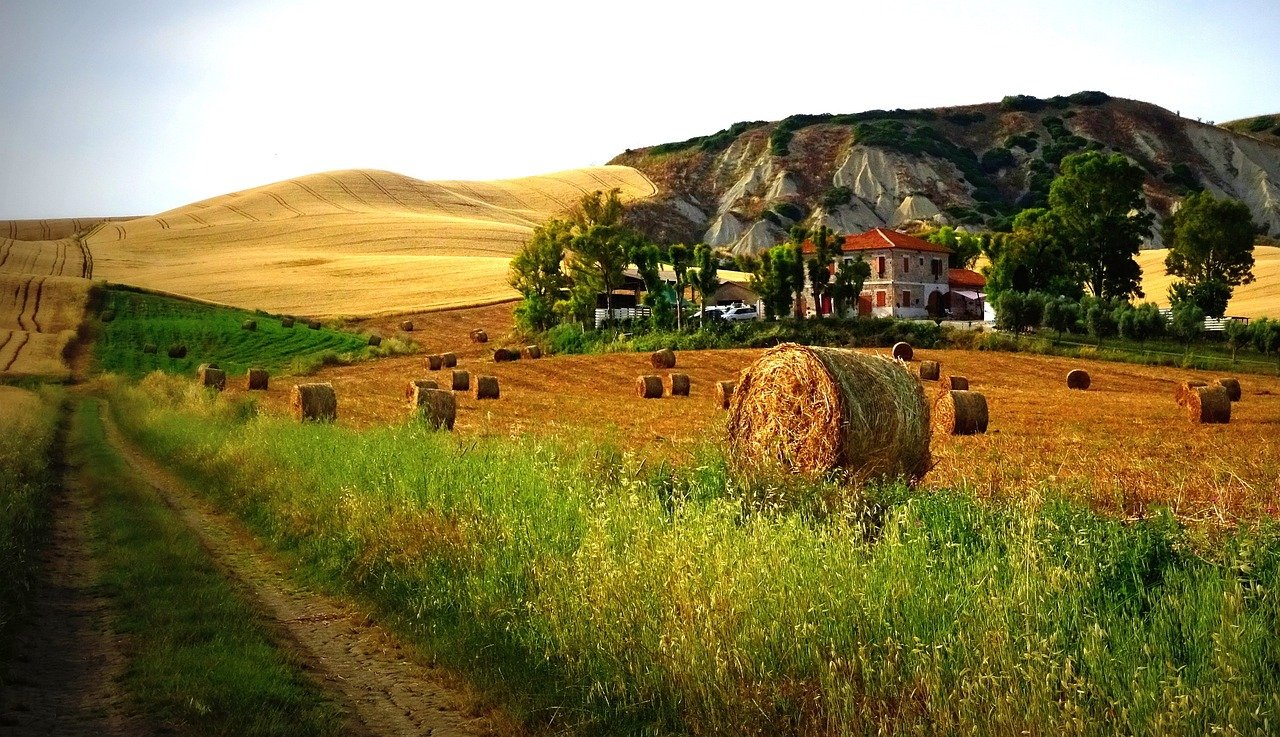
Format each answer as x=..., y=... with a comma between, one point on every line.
x=215, y=334
x=590, y=590
x=199, y=660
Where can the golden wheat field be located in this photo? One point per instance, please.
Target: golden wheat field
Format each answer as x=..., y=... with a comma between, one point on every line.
x=347, y=242
x=50, y=229
x=43, y=296
x=1259, y=299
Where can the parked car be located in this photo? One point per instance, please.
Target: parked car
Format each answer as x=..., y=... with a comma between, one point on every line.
x=711, y=314
x=741, y=312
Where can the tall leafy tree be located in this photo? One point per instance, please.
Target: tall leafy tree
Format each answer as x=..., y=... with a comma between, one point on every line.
x=599, y=245
x=1097, y=205
x=1210, y=244
x=850, y=276
x=705, y=278
x=537, y=273
x=965, y=247
x=657, y=295
x=1035, y=257
x=826, y=244
x=680, y=259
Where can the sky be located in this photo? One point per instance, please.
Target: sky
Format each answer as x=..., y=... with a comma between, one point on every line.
x=132, y=108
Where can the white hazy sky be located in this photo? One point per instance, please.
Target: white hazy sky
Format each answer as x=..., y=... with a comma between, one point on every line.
x=130, y=108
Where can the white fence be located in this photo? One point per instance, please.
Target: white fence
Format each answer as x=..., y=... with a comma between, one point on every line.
x=622, y=313
x=1211, y=324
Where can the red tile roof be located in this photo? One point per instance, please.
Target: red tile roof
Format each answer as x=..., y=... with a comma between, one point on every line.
x=880, y=238
x=966, y=278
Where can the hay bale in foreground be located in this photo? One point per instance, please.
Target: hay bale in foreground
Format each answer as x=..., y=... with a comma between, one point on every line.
x=407, y=326
x=414, y=387
x=663, y=359
x=177, y=350
x=208, y=374
x=250, y=325
x=479, y=336
x=486, y=387
x=434, y=361
x=724, y=393
x=1183, y=390
x=436, y=407
x=461, y=381
x=375, y=340
x=532, y=351
x=502, y=355
x=930, y=370
x=812, y=410
x=649, y=386
x=1078, y=379
x=678, y=385
x=258, y=379
x=286, y=322
x=1208, y=405
x=150, y=348
x=1232, y=386
x=313, y=402
x=955, y=383
x=960, y=413
x=449, y=360
x=902, y=351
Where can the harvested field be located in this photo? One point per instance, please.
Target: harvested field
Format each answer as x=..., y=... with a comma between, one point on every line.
x=42, y=304
x=43, y=296
x=61, y=257
x=35, y=354
x=1258, y=299
x=347, y=242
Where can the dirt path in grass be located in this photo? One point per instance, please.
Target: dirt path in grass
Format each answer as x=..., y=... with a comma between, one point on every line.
x=385, y=687
x=64, y=674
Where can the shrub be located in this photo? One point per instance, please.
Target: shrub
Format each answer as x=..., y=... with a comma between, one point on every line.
x=997, y=159
x=1099, y=321
x=1089, y=97
x=965, y=119
x=1022, y=103
x=836, y=196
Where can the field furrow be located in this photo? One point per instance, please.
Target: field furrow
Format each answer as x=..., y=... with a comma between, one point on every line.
x=12, y=350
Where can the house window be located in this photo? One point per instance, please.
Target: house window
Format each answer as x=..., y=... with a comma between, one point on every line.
x=880, y=298
x=936, y=267
x=906, y=264
x=906, y=298
x=922, y=260
x=880, y=267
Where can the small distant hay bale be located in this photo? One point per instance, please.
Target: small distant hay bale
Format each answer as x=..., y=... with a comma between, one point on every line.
x=449, y=360
x=1208, y=405
x=108, y=315
x=959, y=412
x=1078, y=379
x=502, y=355
x=407, y=326
x=678, y=385
x=313, y=402
x=486, y=387
x=902, y=351
x=436, y=407
x=313, y=324
x=250, y=325
x=812, y=410
x=532, y=351
x=930, y=370
x=415, y=386
x=1183, y=390
x=258, y=379
x=150, y=348
x=375, y=340
x=955, y=383
x=461, y=381
x=663, y=359
x=1232, y=386
x=724, y=393
x=479, y=336
x=208, y=374
x=286, y=322
x=649, y=386
x=177, y=350
x=435, y=362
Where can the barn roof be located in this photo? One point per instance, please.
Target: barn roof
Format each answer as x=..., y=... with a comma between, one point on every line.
x=965, y=279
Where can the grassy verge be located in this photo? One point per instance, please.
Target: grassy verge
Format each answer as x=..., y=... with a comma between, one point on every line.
x=199, y=660
x=593, y=592
x=27, y=480
x=216, y=334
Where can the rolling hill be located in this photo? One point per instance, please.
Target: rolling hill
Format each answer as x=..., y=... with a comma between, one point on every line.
x=44, y=291
x=1259, y=299
x=347, y=242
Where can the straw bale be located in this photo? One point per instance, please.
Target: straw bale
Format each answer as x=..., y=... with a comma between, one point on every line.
x=249, y=325
x=375, y=340
x=1183, y=390
x=724, y=393
x=663, y=359
x=486, y=387
x=314, y=402
x=479, y=336
x=177, y=350
x=313, y=324
x=436, y=407
x=449, y=360
x=1232, y=386
x=415, y=386
x=435, y=361
x=959, y=412
x=902, y=351
x=649, y=386
x=1208, y=404
x=503, y=355
x=678, y=385
x=150, y=348
x=930, y=370
x=286, y=322
x=955, y=383
x=461, y=381
x=108, y=315
x=208, y=374
x=1078, y=379
x=813, y=410
x=258, y=379
x=532, y=351
x=407, y=326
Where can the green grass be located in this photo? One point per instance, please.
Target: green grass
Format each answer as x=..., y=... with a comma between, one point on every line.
x=27, y=481
x=199, y=660
x=214, y=334
x=594, y=593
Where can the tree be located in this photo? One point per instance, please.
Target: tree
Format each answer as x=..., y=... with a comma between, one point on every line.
x=825, y=245
x=1097, y=206
x=1265, y=335
x=705, y=279
x=1060, y=315
x=657, y=295
x=850, y=276
x=598, y=246
x=965, y=247
x=1034, y=257
x=1237, y=334
x=1016, y=311
x=1099, y=320
x=1210, y=295
x=680, y=257
x=791, y=269
x=537, y=274
x=1187, y=322
x=1210, y=244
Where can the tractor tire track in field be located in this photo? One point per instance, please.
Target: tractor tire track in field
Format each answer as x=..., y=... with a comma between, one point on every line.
x=21, y=342
x=281, y=202
x=35, y=307
x=20, y=302
x=385, y=690
x=320, y=198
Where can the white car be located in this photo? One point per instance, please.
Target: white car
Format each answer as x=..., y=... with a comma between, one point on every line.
x=741, y=312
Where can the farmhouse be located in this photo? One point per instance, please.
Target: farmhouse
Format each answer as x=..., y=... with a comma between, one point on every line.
x=967, y=294
x=909, y=276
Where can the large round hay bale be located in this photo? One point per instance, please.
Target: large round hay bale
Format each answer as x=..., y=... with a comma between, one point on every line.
x=461, y=381
x=479, y=336
x=208, y=374
x=107, y=315
x=1232, y=386
x=436, y=407
x=486, y=387
x=532, y=351
x=249, y=325
x=663, y=359
x=724, y=393
x=1078, y=379
x=1183, y=390
x=313, y=402
x=449, y=360
x=812, y=410
x=958, y=412
x=406, y=326
x=955, y=383
x=414, y=387
x=503, y=355
x=375, y=340
x=313, y=324
x=286, y=322
x=177, y=350
x=649, y=386
x=930, y=370
x=258, y=379
x=678, y=385
x=150, y=348
x=435, y=361
x=1208, y=404
x=902, y=351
